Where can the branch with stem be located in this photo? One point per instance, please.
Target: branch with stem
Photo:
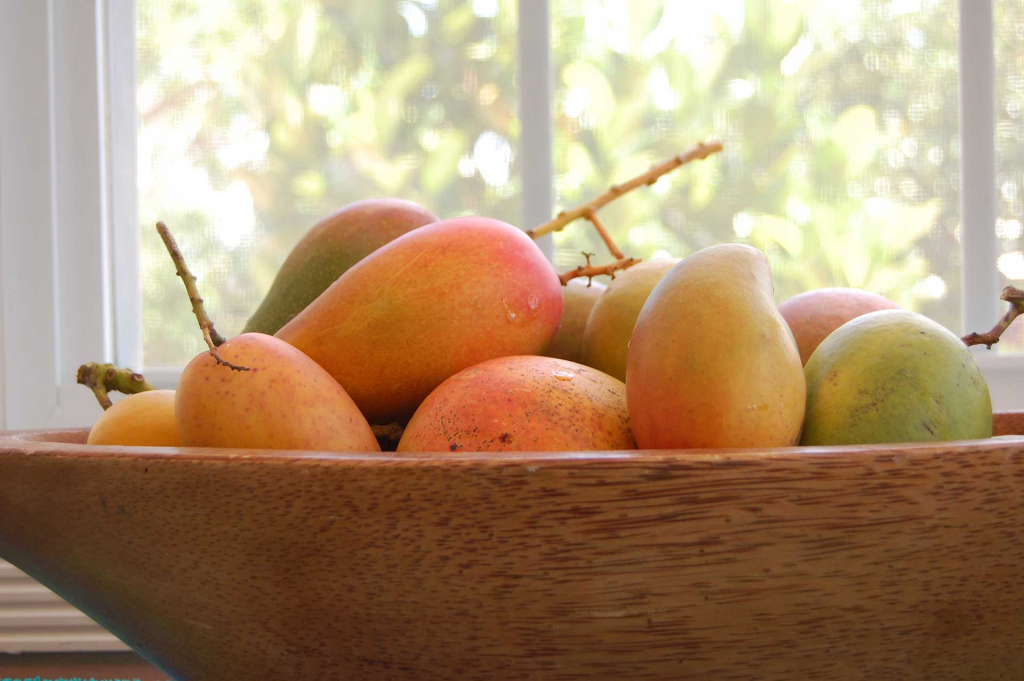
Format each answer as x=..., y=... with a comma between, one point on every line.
x=1015, y=297
x=588, y=211
x=210, y=335
x=104, y=378
x=590, y=271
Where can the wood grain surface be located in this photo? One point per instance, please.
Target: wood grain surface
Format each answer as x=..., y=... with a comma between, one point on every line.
x=85, y=666
x=882, y=562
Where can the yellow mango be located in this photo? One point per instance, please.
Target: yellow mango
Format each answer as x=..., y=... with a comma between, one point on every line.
x=144, y=420
x=712, y=363
x=579, y=301
x=610, y=325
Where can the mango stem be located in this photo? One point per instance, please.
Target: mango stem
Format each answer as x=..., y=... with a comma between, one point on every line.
x=102, y=378
x=210, y=335
x=1015, y=297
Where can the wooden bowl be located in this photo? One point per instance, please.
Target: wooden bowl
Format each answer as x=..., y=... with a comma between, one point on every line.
x=874, y=562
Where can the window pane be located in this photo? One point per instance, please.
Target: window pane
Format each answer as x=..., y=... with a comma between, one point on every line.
x=1009, y=39
x=257, y=118
x=839, y=120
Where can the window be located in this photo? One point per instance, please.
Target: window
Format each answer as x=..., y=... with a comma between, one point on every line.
x=270, y=115
x=241, y=124
x=840, y=127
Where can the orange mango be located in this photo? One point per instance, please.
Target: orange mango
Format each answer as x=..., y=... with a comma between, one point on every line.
x=522, y=404
x=813, y=315
x=328, y=249
x=283, y=401
x=140, y=420
x=432, y=302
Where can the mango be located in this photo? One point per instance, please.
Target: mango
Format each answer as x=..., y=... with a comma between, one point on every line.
x=813, y=315
x=530, y=404
x=712, y=363
x=579, y=299
x=610, y=326
x=328, y=250
x=141, y=420
x=284, y=401
x=432, y=302
x=894, y=376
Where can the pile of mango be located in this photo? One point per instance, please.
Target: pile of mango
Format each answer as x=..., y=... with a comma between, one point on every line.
x=459, y=335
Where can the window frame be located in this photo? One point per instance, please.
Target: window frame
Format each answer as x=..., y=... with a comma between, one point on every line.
x=56, y=175
x=58, y=306
x=978, y=208
x=70, y=290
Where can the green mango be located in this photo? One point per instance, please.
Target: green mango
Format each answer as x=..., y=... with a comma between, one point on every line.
x=328, y=250
x=894, y=376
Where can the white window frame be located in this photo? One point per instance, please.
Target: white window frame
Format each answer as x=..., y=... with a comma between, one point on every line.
x=67, y=193
x=69, y=286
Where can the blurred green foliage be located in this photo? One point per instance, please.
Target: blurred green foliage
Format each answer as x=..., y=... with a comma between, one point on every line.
x=839, y=118
x=840, y=127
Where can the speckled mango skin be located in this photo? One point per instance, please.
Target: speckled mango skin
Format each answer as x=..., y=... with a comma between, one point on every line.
x=439, y=299
x=284, y=401
x=712, y=363
x=579, y=301
x=610, y=325
x=140, y=420
x=328, y=250
x=813, y=315
x=528, y=404
x=894, y=376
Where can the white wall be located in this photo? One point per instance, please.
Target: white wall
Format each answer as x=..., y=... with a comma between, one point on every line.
x=3, y=421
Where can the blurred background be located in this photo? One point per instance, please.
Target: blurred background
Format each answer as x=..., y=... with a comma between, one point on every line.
x=839, y=117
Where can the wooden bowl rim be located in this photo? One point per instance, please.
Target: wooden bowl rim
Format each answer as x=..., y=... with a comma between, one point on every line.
x=35, y=443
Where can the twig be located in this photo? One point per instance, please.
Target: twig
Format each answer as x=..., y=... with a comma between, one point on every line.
x=590, y=271
x=102, y=378
x=613, y=247
x=210, y=335
x=701, y=151
x=589, y=210
x=1015, y=297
